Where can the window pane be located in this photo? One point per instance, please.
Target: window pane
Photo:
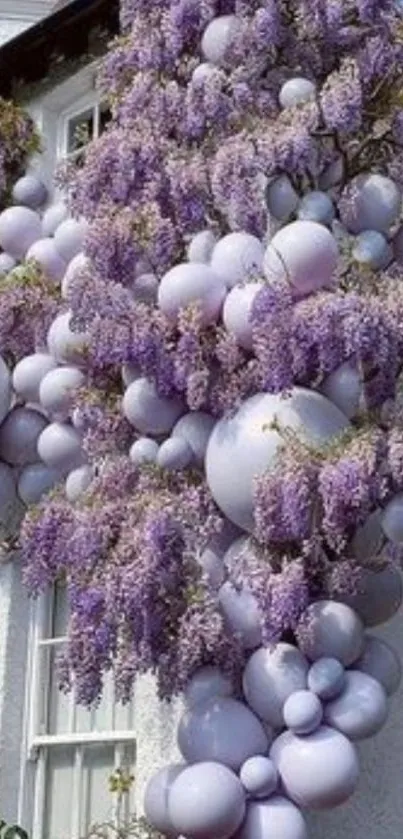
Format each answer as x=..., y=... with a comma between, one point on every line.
x=80, y=131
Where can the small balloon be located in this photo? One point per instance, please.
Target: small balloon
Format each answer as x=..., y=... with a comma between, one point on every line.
x=200, y=74
x=77, y=266
x=70, y=238
x=144, y=450
x=380, y=661
x=174, y=454
x=19, y=435
x=270, y=677
x=372, y=249
x=302, y=712
x=202, y=244
x=191, y=283
x=304, y=254
x=330, y=630
x=238, y=257
x=316, y=206
x=145, y=288
x=281, y=198
x=59, y=446
x=30, y=192
x=344, y=388
x=19, y=229
x=259, y=776
x=206, y=732
x=28, y=374
x=58, y=388
x=218, y=38
x=148, y=412
x=53, y=217
x=392, y=519
x=7, y=263
x=156, y=798
x=78, y=481
x=35, y=481
x=195, y=427
x=370, y=202
x=361, y=709
x=326, y=678
x=242, y=615
x=130, y=372
x=237, y=311
x=319, y=770
x=296, y=92
x=208, y=682
x=64, y=344
x=272, y=819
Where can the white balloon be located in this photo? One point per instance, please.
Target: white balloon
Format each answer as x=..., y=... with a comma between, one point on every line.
x=28, y=374
x=296, y=91
x=392, y=519
x=238, y=257
x=144, y=450
x=53, y=217
x=147, y=411
x=316, y=206
x=188, y=284
x=201, y=246
x=237, y=311
x=281, y=198
x=174, y=454
x=57, y=388
x=35, y=481
x=45, y=254
x=195, y=427
x=218, y=37
x=59, y=446
x=76, y=266
x=30, y=192
x=344, y=388
x=64, y=344
x=70, y=238
x=304, y=254
x=19, y=229
x=78, y=481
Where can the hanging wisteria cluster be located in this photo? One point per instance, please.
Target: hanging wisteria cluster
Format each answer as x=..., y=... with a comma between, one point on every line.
x=202, y=395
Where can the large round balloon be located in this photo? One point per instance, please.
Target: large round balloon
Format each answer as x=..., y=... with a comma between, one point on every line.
x=259, y=776
x=381, y=662
x=28, y=374
x=361, y=709
x=237, y=312
x=149, y=412
x=59, y=446
x=156, y=798
x=19, y=435
x=57, y=388
x=319, y=770
x=65, y=344
x=70, y=238
x=5, y=389
x=241, y=614
x=206, y=800
x=276, y=818
x=304, y=254
x=379, y=596
x=207, y=732
x=270, y=677
x=332, y=630
x=195, y=427
x=245, y=444
x=30, y=192
x=370, y=202
x=189, y=284
x=207, y=683
x=238, y=257
x=19, y=229
x=34, y=481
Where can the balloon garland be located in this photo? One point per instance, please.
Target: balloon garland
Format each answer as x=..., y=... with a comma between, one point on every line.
x=210, y=378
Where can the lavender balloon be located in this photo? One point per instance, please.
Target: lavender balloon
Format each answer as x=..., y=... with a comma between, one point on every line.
x=237, y=312
x=174, y=454
x=361, y=709
x=281, y=198
x=7, y=263
x=213, y=567
x=144, y=450
x=206, y=732
x=149, y=412
x=218, y=37
x=270, y=677
x=296, y=91
x=45, y=254
x=316, y=206
x=70, y=238
x=302, y=712
x=59, y=446
x=202, y=244
x=304, y=254
x=5, y=389
x=191, y=283
x=35, y=481
x=238, y=257
x=195, y=427
x=344, y=388
x=30, y=192
x=208, y=682
x=273, y=819
x=392, y=520
x=326, y=678
x=372, y=249
x=78, y=481
x=319, y=770
x=331, y=630
x=28, y=374
x=370, y=202
x=64, y=344
x=242, y=615
x=57, y=390
x=156, y=798
x=380, y=661
x=19, y=229
x=206, y=800
x=369, y=539
x=259, y=776
x=19, y=434
x=332, y=174
x=379, y=596
x=78, y=265
x=53, y=218
x=200, y=74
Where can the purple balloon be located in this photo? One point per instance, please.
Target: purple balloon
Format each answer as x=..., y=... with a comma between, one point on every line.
x=205, y=801
x=326, y=678
x=237, y=311
x=19, y=435
x=370, y=202
x=361, y=709
x=144, y=450
x=302, y=712
x=70, y=238
x=304, y=254
x=206, y=732
x=276, y=818
x=344, y=388
x=188, y=284
x=259, y=776
x=238, y=257
x=28, y=374
x=379, y=597
x=331, y=630
x=59, y=446
x=77, y=482
x=316, y=206
x=148, y=412
x=202, y=244
x=156, y=798
x=30, y=192
x=53, y=218
x=208, y=682
x=270, y=677
x=296, y=91
x=7, y=263
x=281, y=198
x=195, y=427
x=242, y=615
x=57, y=390
x=19, y=229
x=174, y=454
x=218, y=37
x=319, y=770
x=35, y=481
x=64, y=344
x=380, y=661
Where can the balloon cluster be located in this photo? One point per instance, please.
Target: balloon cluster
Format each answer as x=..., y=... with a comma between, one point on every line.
x=254, y=764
